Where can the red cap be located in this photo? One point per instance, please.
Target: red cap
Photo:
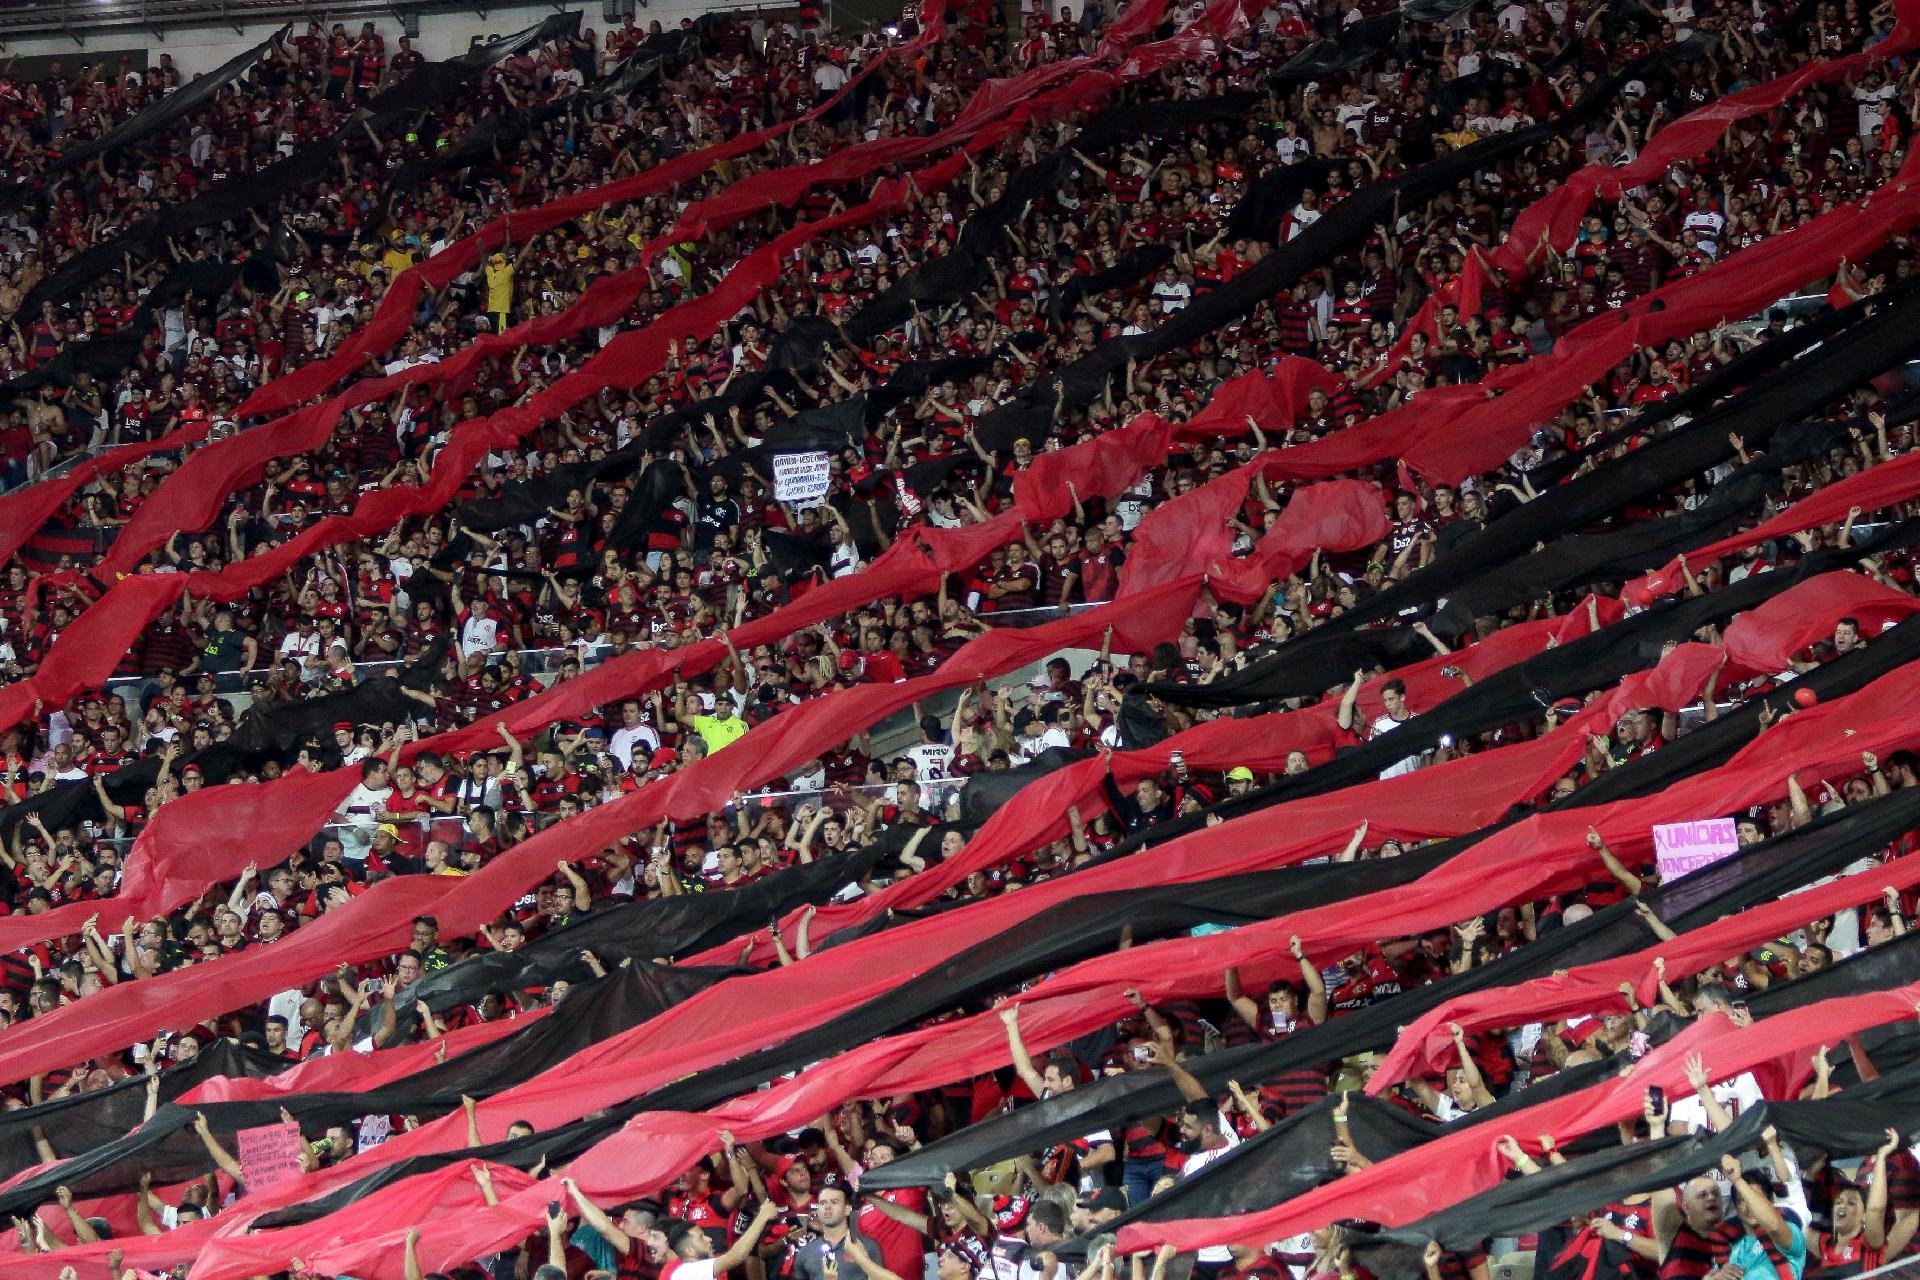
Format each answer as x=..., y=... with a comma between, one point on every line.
x=664, y=757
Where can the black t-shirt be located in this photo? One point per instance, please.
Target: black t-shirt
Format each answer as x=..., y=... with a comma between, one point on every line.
x=713, y=515
x=223, y=651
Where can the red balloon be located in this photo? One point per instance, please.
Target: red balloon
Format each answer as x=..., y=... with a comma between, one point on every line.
x=1805, y=697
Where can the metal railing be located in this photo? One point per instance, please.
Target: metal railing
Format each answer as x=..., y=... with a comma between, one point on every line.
x=81, y=20
x=547, y=662
x=937, y=796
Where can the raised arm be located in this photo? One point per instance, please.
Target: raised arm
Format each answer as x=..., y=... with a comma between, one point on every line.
x=1874, y=1225
x=1349, y=701
x=1617, y=869
x=1190, y=1088
x=593, y=1216
x=1758, y=1204
x=1316, y=1006
x=1717, y=1117
x=1243, y=1004
x=1022, y=1060
x=1482, y=1096
x=220, y=1155
x=742, y=1249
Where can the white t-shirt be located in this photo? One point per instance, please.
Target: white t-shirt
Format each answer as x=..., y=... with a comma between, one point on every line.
x=1200, y=1160
x=1706, y=224
x=1302, y=218
x=929, y=760
x=1025, y=749
x=1172, y=295
x=845, y=559
x=620, y=745
x=1736, y=1095
x=1873, y=107
x=365, y=807
x=478, y=634
x=307, y=646
x=681, y=1269
x=1387, y=724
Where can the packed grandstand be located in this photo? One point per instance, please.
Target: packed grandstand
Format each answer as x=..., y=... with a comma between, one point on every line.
x=1155, y=640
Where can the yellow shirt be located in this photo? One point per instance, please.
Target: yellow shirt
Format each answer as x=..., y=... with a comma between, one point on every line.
x=396, y=261
x=500, y=288
x=719, y=733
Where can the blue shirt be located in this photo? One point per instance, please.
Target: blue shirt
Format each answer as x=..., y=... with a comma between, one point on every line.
x=1751, y=1256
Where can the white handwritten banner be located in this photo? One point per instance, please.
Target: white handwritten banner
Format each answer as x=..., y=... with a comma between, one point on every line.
x=1680, y=848
x=801, y=478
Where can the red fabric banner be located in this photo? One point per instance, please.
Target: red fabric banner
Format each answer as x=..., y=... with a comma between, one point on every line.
x=88, y=652
x=376, y=923
x=1449, y=433
x=1442, y=1173
x=342, y=1072
x=713, y=1026
x=372, y=925
x=1878, y=487
x=212, y=835
x=629, y=360
x=1426, y=1046
x=1555, y=218
x=1002, y=108
x=1262, y=744
x=1067, y=1004
x=394, y=316
x=24, y=512
x=1762, y=640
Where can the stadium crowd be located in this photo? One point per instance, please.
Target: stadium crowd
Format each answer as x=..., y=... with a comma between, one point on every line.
x=557, y=594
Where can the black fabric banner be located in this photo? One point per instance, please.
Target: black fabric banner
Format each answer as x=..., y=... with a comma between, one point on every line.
x=1869, y=340
x=158, y=115
x=948, y=278
x=646, y=929
x=498, y=131
x=985, y=792
x=1852, y=1123
x=1248, y=1178
x=175, y=106
x=168, y=1148
x=1758, y=874
x=1318, y=661
x=1347, y=225
x=91, y=1118
x=428, y=87
x=105, y=357
x=1517, y=694
x=1077, y=929
x=268, y=731
x=1092, y=924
